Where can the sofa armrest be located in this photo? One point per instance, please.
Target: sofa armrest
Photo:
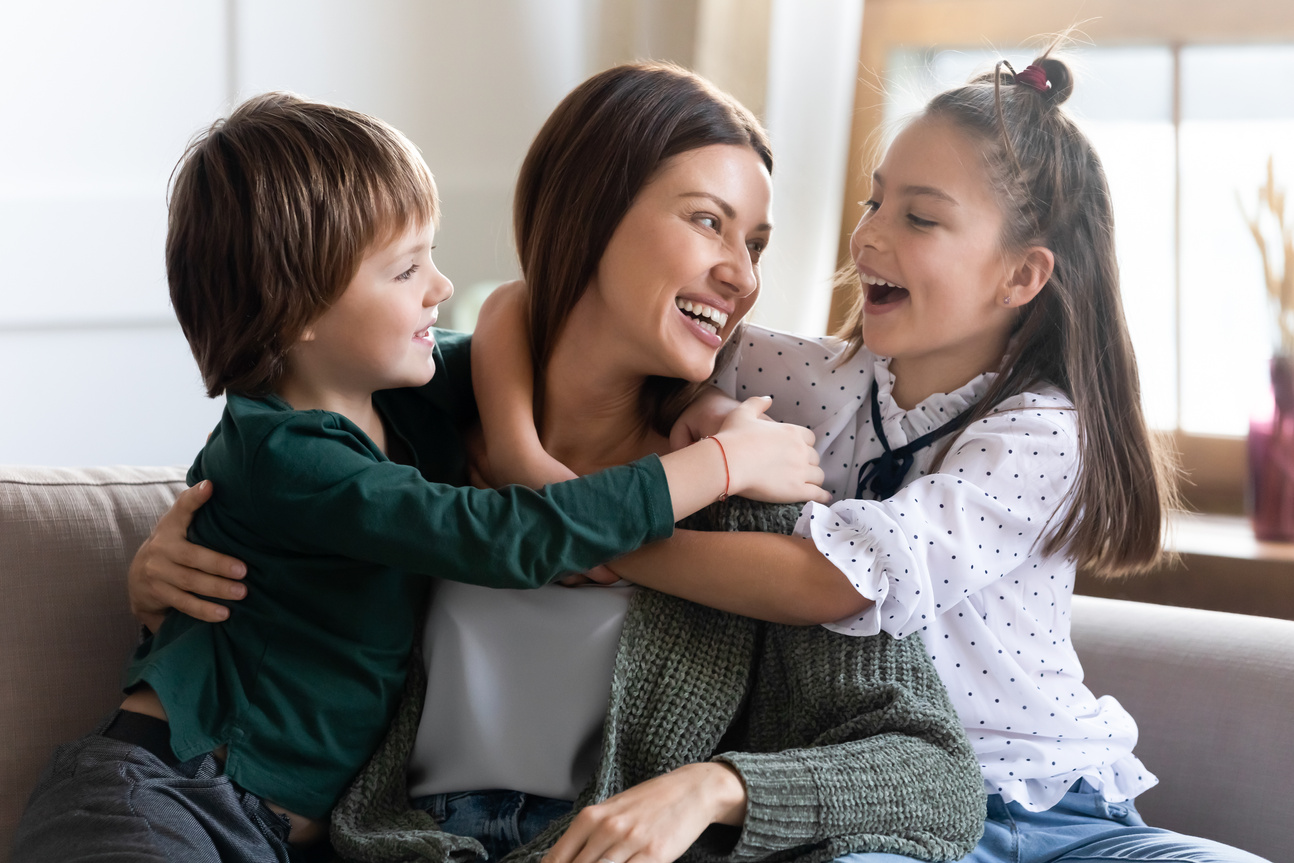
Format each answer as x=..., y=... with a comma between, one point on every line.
x=66, y=539
x=1213, y=696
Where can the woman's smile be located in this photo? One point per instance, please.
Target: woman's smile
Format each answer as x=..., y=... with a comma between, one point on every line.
x=682, y=267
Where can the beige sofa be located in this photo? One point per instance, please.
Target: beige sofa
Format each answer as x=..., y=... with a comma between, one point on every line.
x=1213, y=693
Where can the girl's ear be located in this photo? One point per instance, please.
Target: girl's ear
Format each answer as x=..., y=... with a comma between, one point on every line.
x=1031, y=274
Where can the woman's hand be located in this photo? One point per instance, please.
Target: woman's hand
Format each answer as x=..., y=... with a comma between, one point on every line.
x=770, y=461
x=656, y=821
x=169, y=571
x=702, y=417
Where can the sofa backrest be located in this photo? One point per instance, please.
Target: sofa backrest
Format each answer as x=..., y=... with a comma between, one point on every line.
x=1213, y=693
x=1213, y=696
x=66, y=538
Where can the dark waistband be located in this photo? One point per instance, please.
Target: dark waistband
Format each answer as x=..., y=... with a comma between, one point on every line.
x=146, y=732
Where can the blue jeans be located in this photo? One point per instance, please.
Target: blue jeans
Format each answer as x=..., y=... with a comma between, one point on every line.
x=101, y=799
x=499, y=820
x=1082, y=827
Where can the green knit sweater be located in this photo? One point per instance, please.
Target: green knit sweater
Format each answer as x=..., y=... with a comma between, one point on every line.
x=844, y=744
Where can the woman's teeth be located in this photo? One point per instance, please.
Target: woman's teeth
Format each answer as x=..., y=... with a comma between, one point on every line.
x=708, y=317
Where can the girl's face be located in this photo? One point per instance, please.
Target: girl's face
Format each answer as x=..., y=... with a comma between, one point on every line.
x=682, y=267
x=929, y=255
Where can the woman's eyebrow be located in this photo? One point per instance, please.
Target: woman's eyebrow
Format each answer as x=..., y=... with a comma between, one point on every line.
x=724, y=206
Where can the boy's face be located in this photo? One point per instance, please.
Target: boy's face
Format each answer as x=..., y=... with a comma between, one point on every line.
x=375, y=336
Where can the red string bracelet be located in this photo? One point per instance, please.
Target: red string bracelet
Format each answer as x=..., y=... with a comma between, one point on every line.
x=727, y=475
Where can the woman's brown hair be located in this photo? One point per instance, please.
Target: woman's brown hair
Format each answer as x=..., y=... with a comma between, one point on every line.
x=601, y=145
x=271, y=213
x=1053, y=193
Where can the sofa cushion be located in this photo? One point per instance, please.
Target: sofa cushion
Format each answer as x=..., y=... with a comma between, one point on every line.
x=66, y=538
x=1213, y=696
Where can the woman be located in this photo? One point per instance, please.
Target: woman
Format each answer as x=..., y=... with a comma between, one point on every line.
x=641, y=213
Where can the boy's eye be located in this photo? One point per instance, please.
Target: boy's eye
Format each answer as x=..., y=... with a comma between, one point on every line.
x=407, y=274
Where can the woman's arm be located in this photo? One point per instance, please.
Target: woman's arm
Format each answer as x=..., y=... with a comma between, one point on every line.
x=767, y=576
x=654, y=821
x=169, y=572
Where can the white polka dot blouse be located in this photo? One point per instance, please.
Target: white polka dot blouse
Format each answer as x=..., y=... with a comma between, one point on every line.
x=955, y=555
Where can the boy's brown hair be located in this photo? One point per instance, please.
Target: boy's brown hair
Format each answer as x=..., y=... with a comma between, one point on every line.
x=271, y=212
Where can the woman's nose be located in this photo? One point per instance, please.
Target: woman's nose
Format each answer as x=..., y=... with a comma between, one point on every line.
x=739, y=272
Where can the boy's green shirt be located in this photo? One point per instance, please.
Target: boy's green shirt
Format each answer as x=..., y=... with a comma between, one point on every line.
x=304, y=676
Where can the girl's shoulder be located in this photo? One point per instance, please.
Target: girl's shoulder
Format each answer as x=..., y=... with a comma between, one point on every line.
x=1042, y=412
x=800, y=354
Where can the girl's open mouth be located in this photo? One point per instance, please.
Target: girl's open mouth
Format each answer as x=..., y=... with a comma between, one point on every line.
x=879, y=292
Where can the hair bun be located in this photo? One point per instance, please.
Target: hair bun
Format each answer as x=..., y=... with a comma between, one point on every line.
x=1060, y=78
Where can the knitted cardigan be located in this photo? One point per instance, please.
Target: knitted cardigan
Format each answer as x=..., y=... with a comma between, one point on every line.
x=843, y=743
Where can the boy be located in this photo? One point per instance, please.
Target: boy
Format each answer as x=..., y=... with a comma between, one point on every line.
x=299, y=262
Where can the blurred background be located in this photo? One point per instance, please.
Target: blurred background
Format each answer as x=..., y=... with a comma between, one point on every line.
x=98, y=100
x=1185, y=99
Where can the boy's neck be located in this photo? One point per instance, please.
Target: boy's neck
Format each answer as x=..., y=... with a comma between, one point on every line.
x=356, y=407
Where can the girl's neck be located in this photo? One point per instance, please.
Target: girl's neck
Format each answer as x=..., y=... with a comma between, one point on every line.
x=917, y=378
x=592, y=416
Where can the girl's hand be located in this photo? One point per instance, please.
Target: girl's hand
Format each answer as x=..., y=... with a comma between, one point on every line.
x=169, y=571
x=656, y=821
x=703, y=417
x=770, y=461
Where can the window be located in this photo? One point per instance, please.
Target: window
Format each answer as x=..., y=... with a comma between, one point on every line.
x=1185, y=123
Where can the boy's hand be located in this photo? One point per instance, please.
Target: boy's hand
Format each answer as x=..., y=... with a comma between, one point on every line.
x=168, y=571
x=703, y=417
x=770, y=461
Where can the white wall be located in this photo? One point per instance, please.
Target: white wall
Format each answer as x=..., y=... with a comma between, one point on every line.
x=97, y=102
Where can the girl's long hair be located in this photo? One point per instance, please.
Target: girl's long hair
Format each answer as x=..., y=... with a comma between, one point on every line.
x=1053, y=193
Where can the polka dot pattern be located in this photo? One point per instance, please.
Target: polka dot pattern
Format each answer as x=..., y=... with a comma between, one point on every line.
x=955, y=556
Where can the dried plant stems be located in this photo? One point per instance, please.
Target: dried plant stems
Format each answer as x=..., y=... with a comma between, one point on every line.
x=1275, y=250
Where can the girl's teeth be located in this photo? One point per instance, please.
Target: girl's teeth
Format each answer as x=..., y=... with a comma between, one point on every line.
x=876, y=280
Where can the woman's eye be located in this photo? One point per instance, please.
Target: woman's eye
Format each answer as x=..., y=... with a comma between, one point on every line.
x=919, y=222
x=756, y=250
x=407, y=274
x=707, y=221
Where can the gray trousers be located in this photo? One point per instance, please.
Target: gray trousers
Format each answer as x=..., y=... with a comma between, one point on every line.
x=104, y=799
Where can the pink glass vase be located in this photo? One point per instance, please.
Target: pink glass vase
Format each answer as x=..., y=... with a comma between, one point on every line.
x=1271, y=459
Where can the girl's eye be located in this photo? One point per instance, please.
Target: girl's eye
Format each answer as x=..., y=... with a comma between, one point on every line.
x=919, y=222
x=870, y=205
x=407, y=274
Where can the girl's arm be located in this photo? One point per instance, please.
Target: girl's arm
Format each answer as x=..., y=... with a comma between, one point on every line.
x=505, y=393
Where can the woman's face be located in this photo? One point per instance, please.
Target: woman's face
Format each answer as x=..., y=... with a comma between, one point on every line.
x=682, y=267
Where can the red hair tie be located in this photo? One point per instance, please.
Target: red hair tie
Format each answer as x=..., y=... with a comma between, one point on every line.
x=1035, y=77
